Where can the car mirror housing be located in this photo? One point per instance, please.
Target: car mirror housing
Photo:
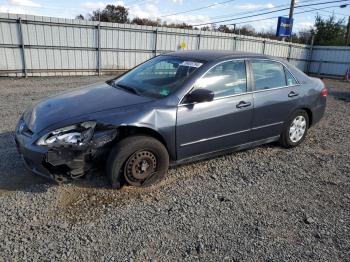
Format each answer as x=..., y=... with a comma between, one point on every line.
x=200, y=95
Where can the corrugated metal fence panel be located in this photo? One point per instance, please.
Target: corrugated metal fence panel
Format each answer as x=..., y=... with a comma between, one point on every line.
x=171, y=39
x=247, y=45
x=126, y=46
x=275, y=49
x=325, y=68
x=330, y=60
x=216, y=41
x=225, y=42
x=55, y=46
x=299, y=52
x=298, y=56
x=331, y=53
x=122, y=60
x=10, y=57
x=9, y=33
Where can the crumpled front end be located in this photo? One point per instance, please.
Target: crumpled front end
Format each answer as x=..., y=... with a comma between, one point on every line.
x=65, y=153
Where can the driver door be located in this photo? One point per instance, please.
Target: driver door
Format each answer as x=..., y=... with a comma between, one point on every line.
x=222, y=123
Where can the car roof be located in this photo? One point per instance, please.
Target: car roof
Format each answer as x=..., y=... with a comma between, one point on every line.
x=213, y=55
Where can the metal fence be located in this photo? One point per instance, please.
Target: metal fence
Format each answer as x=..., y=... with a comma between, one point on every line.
x=330, y=60
x=41, y=46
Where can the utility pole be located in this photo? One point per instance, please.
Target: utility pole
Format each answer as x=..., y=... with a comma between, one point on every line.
x=347, y=40
x=291, y=13
x=291, y=9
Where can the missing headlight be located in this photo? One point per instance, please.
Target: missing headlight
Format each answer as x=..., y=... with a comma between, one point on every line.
x=74, y=135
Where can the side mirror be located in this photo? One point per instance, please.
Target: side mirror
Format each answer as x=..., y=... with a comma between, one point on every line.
x=200, y=95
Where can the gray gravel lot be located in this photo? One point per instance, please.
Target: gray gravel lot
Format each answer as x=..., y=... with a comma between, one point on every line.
x=267, y=203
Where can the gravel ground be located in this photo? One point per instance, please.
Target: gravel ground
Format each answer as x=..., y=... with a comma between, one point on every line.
x=267, y=203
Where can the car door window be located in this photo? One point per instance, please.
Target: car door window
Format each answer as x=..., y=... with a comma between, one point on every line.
x=268, y=74
x=225, y=79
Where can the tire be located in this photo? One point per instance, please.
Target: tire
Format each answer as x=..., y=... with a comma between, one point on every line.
x=140, y=161
x=298, y=121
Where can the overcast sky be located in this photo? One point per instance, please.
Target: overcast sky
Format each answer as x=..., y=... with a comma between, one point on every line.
x=160, y=8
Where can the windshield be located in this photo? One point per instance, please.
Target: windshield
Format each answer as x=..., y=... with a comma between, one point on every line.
x=158, y=77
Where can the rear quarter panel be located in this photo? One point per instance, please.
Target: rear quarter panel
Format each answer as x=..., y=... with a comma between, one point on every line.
x=310, y=93
x=312, y=99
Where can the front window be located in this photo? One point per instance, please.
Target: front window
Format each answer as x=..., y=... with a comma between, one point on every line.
x=225, y=79
x=158, y=77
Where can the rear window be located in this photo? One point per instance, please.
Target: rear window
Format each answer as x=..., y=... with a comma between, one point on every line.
x=291, y=81
x=268, y=74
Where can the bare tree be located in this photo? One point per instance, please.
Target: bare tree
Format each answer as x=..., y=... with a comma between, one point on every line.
x=80, y=17
x=111, y=13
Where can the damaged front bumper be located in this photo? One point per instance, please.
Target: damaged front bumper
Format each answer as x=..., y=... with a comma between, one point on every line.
x=63, y=163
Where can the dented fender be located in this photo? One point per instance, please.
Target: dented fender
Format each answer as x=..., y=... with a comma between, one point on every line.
x=77, y=160
x=161, y=120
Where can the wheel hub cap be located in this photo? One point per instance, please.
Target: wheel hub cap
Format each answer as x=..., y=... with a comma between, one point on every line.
x=144, y=165
x=297, y=129
x=140, y=165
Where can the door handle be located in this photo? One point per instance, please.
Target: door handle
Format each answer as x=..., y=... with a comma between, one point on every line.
x=292, y=94
x=242, y=104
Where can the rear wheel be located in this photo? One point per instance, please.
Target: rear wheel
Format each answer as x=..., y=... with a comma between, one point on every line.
x=295, y=130
x=138, y=160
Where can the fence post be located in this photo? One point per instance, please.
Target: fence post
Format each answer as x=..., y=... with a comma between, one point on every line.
x=308, y=63
x=235, y=43
x=155, y=41
x=264, y=46
x=289, y=52
x=24, y=65
x=199, y=41
x=319, y=71
x=99, y=49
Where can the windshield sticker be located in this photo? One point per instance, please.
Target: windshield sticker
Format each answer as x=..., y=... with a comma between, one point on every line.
x=164, y=92
x=191, y=64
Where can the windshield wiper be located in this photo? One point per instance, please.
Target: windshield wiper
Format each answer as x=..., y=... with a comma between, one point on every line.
x=127, y=88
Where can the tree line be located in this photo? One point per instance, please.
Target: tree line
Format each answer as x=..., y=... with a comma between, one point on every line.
x=326, y=31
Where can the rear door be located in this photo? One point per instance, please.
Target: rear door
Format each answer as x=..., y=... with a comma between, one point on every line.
x=276, y=96
x=222, y=123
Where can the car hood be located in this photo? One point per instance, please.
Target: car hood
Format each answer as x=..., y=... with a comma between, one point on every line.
x=82, y=101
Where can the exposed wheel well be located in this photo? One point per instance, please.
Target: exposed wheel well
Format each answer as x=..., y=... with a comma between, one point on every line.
x=309, y=114
x=125, y=131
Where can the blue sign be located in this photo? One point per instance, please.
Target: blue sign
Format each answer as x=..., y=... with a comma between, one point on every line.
x=284, y=26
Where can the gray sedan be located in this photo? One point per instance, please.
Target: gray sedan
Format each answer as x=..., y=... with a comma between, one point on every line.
x=172, y=109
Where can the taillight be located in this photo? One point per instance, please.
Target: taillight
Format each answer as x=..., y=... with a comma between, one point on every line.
x=324, y=92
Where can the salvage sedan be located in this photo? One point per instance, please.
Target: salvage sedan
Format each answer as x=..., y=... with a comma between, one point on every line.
x=172, y=109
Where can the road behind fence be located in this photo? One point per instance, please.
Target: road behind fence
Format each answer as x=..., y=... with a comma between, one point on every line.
x=42, y=46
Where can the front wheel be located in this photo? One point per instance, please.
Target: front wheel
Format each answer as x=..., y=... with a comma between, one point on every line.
x=295, y=130
x=138, y=160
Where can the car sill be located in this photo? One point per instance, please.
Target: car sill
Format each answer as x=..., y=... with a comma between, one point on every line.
x=225, y=151
x=214, y=137
x=229, y=134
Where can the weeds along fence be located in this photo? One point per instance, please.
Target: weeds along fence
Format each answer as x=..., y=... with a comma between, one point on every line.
x=45, y=46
